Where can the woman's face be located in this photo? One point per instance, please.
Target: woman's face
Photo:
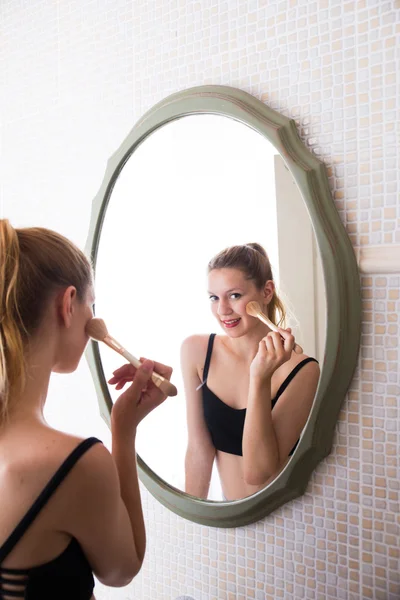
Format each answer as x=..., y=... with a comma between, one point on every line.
x=229, y=292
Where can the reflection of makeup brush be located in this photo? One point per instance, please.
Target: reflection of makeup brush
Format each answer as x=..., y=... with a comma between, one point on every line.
x=96, y=329
x=254, y=309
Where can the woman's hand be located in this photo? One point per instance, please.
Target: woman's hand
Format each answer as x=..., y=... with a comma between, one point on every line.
x=133, y=405
x=273, y=350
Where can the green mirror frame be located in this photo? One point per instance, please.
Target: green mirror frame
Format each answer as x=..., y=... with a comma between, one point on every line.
x=343, y=299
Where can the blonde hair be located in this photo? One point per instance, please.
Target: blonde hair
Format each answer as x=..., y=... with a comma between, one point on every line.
x=253, y=261
x=34, y=263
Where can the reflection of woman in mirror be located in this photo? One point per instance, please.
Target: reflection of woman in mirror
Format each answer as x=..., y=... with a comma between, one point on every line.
x=248, y=394
x=68, y=508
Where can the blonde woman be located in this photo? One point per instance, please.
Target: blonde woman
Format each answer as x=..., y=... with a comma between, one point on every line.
x=68, y=508
x=248, y=394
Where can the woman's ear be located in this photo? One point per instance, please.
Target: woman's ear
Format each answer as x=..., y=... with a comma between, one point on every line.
x=67, y=302
x=268, y=291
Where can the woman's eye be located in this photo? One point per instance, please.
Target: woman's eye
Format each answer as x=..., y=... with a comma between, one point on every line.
x=213, y=298
x=236, y=296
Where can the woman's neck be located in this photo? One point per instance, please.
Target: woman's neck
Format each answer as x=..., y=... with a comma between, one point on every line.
x=28, y=405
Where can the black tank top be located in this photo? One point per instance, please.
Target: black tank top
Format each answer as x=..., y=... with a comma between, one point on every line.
x=68, y=576
x=225, y=423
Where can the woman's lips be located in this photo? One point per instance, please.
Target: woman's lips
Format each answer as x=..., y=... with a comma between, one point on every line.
x=229, y=323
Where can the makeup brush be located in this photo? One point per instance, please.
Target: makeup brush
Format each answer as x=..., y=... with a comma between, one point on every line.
x=97, y=330
x=254, y=309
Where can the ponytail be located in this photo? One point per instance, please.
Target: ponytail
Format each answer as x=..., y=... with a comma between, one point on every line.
x=276, y=311
x=12, y=364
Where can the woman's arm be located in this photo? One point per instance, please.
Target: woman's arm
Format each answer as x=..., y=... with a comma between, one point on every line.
x=106, y=511
x=200, y=451
x=99, y=519
x=124, y=455
x=260, y=444
x=269, y=436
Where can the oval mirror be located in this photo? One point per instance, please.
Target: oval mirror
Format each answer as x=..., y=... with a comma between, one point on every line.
x=207, y=169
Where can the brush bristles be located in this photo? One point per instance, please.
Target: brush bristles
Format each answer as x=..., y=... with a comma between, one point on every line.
x=168, y=388
x=96, y=329
x=253, y=308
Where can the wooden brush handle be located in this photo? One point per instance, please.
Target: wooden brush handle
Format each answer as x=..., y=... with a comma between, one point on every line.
x=165, y=386
x=298, y=349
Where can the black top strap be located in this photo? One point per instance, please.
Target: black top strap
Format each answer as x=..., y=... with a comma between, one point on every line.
x=208, y=356
x=45, y=495
x=292, y=374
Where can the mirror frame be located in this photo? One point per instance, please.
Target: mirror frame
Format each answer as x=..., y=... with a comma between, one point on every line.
x=342, y=286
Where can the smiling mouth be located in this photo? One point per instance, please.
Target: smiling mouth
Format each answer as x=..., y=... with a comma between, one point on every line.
x=231, y=322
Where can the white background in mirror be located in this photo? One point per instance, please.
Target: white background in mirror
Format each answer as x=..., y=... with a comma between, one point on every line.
x=193, y=187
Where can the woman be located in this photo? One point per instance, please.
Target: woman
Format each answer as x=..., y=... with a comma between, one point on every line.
x=68, y=508
x=248, y=394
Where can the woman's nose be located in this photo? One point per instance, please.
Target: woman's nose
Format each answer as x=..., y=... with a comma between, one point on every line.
x=224, y=308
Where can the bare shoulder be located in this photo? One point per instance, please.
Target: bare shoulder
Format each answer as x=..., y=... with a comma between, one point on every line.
x=193, y=355
x=311, y=368
x=31, y=459
x=96, y=459
x=38, y=447
x=92, y=476
x=296, y=359
x=95, y=474
x=194, y=347
x=55, y=446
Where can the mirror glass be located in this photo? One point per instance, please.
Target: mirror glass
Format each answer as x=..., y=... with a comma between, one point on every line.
x=193, y=187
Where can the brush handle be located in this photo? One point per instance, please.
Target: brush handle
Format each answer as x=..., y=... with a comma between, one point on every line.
x=298, y=349
x=165, y=386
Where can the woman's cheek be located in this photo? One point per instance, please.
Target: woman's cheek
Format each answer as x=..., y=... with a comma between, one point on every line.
x=242, y=307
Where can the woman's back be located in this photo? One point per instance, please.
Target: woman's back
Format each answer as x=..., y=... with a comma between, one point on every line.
x=34, y=526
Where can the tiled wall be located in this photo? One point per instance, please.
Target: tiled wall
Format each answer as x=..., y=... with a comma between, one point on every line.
x=75, y=76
